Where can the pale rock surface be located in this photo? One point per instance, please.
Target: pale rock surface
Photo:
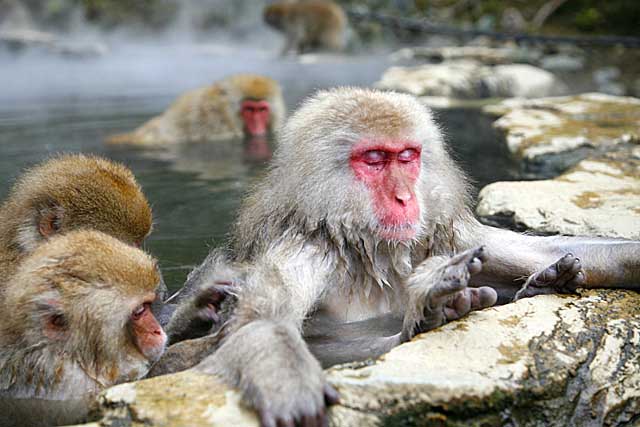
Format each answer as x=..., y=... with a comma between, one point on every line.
x=543, y=361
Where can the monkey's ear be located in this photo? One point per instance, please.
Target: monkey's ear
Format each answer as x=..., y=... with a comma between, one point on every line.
x=50, y=221
x=54, y=321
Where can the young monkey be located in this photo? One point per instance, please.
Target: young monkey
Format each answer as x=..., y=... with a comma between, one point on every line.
x=78, y=320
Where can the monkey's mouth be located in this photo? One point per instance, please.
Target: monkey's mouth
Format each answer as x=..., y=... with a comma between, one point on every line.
x=398, y=232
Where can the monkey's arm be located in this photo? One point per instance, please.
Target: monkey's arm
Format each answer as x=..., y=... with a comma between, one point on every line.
x=555, y=263
x=262, y=352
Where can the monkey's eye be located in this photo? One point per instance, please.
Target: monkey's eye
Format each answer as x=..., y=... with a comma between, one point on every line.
x=139, y=311
x=408, y=155
x=374, y=157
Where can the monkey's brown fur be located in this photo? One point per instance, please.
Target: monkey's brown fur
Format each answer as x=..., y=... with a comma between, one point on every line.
x=95, y=282
x=209, y=113
x=308, y=25
x=72, y=191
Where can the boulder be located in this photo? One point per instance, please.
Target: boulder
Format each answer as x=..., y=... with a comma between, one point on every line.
x=544, y=361
x=467, y=79
x=548, y=135
x=600, y=196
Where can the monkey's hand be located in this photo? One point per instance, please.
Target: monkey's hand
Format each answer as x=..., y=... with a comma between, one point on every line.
x=564, y=276
x=277, y=375
x=440, y=294
x=202, y=313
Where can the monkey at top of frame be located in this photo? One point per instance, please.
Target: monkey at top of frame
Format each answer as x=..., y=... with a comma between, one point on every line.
x=308, y=26
x=78, y=321
x=240, y=106
x=70, y=192
x=360, y=236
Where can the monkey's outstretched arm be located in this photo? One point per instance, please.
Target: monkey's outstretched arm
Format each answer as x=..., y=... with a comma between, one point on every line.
x=555, y=263
x=262, y=352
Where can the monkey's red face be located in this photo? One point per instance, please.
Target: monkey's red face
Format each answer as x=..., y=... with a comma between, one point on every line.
x=256, y=116
x=147, y=333
x=390, y=170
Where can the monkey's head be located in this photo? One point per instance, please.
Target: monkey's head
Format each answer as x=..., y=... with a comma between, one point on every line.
x=261, y=108
x=274, y=15
x=369, y=161
x=70, y=192
x=84, y=297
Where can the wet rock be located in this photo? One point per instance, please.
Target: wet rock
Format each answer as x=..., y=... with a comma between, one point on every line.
x=598, y=197
x=18, y=41
x=465, y=79
x=548, y=135
x=483, y=54
x=562, y=63
x=548, y=360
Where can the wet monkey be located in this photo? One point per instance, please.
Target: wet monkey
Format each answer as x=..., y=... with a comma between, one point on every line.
x=363, y=215
x=69, y=192
x=78, y=320
x=308, y=25
x=242, y=105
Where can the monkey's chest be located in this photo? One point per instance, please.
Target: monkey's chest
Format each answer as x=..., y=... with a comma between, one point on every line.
x=353, y=303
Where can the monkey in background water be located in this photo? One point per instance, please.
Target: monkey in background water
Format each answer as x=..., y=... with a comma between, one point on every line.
x=242, y=105
x=361, y=236
x=78, y=320
x=308, y=25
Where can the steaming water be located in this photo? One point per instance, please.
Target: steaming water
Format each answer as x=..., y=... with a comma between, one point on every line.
x=52, y=105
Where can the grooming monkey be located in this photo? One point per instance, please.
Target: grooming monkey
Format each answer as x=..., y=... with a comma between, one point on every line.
x=365, y=216
x=69, y=192
x=77, y=320
x=309, y=25
x=243, y=105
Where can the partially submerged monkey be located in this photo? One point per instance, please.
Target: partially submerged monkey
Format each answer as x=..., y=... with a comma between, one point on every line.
x=242, y=105
x=308, y=25
x=77, y=320
x=364, y=216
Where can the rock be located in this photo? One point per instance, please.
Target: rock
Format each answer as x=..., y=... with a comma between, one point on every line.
x=598, y=197
x=548, y=135
x=482, y=54
x=466, y=79
x=562, y=63
x=543, y=361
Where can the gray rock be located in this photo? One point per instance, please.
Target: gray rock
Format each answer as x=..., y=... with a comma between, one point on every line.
x=548, y=135
x=562, y=62
x=543, y=361
x=598, y=197
x=466, y=79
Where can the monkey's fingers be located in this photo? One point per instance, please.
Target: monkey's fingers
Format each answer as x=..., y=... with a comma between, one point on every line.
x=470, y=299
x=331, y=396
x=466, y=256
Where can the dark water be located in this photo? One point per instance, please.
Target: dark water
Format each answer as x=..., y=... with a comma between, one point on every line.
x=52, y=106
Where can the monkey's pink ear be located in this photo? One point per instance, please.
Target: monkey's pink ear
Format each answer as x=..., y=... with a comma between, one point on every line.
x=49, y=221
x=55, y=325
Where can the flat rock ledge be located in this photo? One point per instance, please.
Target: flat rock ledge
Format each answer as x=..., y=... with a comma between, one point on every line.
x=548, y=135
x=543, y=361
x=599, y=196
x=461, y=83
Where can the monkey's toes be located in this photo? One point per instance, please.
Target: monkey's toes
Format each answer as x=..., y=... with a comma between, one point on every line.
x=468, y=300
x=564, y=276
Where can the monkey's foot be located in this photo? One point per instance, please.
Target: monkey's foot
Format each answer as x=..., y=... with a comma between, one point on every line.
x=564, y=276
x=450, y=298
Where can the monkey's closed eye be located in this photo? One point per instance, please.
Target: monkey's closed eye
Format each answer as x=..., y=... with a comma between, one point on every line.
x=374, y=157
x=408, y=155
x=139, y=311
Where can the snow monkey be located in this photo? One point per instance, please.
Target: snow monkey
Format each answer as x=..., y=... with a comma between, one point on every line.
x=308, y=25
x=241, y=105
x=77, y=320
x=364, y=215
x=66, y=193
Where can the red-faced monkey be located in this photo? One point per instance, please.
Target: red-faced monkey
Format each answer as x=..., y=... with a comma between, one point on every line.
x=364, y=215
x=308, y=25
x=241, y=105
x=77, y=320
x=67, y=193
